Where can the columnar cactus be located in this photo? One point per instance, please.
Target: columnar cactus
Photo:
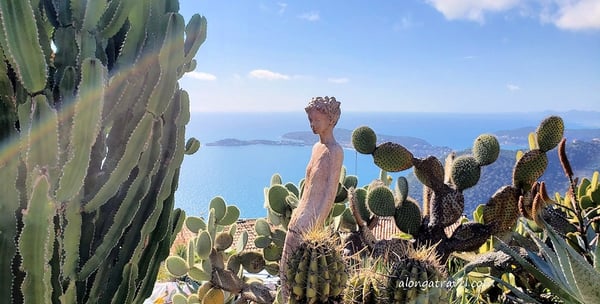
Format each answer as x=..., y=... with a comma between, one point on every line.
x=92, y=140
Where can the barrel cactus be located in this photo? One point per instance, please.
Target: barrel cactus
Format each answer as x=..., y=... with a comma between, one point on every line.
x=93, y=123
x=318, y=268
x=366, y=286
x=417, y=277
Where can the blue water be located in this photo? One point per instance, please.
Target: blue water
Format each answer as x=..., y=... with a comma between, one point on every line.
x=240, y=174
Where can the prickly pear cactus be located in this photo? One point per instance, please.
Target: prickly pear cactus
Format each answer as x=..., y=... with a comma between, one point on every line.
x=216, y=263
x=364, y=140
x=440, y=218
x=318, y=269
x=93, y=136
x=380, y=199
x=392, y=157
x=281, y=199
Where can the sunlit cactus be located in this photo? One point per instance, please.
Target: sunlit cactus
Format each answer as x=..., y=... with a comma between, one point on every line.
x=392, y=157
x=217, y=262
x=318, y=269
x=364, y=140
x=417, y=277
x=93, y=137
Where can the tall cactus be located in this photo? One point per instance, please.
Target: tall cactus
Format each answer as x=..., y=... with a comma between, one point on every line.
x=92, y=124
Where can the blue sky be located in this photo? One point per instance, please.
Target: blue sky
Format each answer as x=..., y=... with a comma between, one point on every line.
x=397, y=55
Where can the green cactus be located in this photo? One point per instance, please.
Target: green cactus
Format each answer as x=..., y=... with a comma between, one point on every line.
x=365, y=286
x=529, y=168
x=417, y=277
x=380, y=199
x=364, y=140
x=486, y=149
x=216, y=262
x=95, y=119
x=392, y=157
x=549, y=133
x=465, y=172
x=401, y=189
x=408, y=216
x=318, y=269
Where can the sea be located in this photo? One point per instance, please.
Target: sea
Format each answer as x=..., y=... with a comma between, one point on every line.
x=240, y=174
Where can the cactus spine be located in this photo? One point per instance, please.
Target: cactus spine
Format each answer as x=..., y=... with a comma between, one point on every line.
x=92, y=139
x=318, y=269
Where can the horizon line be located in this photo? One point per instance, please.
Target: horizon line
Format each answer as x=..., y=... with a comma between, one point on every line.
x=392, y=112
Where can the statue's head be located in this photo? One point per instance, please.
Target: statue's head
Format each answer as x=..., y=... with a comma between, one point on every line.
x=326, y=105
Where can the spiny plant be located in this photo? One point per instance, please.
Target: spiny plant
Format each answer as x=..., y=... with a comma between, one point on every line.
x=318, y=268
x=443, y=199
x=215, y=263
x=555, y=242
x=281, y=199
x=411, y=276
x=92, y=137
x=551, y=261
x=441, y=221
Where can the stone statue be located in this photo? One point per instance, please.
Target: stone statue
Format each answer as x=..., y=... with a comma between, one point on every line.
x=321, y=182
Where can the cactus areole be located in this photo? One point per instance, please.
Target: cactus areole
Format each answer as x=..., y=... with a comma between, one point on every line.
x=322, y=178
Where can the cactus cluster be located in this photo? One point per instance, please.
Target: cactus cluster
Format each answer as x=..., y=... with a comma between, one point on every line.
x=525, y=197
x=388, y=156
x=271, y=241
x=418, y=278
x=281, y=199
x=318, y=269
x=441, y=219
x=216, y=263
x=412, y=276
x=92, y=138
x=443, y=205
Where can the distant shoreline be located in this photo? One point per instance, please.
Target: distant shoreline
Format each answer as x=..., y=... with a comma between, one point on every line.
x=512, y=138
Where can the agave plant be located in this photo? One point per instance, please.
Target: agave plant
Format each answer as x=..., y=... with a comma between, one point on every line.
x=561, y=269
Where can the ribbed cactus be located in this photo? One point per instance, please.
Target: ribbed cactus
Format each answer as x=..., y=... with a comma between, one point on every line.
x=417, y=277
x=93, y=136
x=318, y=269
x=366, y=286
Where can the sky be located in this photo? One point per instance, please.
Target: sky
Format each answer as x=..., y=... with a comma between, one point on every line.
x=397, y=55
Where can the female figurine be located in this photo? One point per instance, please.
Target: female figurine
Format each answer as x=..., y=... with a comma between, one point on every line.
x=321, y=182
